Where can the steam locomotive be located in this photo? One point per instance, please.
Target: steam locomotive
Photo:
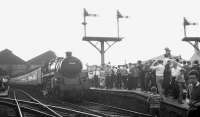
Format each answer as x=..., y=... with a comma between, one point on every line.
x=60, y=77
x=63, y=77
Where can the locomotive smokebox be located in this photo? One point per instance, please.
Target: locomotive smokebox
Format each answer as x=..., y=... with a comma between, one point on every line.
x=68, y=54
x=70, y=66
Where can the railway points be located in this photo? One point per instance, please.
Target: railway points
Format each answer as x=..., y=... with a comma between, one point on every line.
x=33, y=106
x=64, y=108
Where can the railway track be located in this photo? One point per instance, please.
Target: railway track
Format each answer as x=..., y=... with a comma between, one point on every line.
x=32, y=107
x=103, y=110
x=40, y=107
x=111, y=110
x=29, y=106
x=15, y=109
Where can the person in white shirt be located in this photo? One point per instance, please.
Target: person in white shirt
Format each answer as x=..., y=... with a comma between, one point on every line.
x=159, y=67
x=175, y=71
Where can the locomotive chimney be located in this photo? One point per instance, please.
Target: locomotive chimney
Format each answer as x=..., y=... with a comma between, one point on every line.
x=68, y=54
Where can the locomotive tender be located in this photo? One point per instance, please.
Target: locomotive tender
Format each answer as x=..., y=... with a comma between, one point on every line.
x=60, y=77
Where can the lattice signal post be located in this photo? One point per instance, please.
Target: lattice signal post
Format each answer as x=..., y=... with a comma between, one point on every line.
x=110, y=41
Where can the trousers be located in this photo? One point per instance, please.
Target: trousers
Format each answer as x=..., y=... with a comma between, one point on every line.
x=159, y=82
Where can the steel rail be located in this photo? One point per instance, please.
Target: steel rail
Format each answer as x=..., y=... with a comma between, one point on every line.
x=86, y=109
x=97, y=113
x=18, y=107
x=23, y=108
x=45, y=106
x=55, y=107
x=126, y=110
x=65, y=109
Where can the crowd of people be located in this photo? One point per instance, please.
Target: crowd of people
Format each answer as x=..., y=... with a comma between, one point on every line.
x=169, y=76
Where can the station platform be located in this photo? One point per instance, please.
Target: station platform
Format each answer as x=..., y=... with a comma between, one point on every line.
x=126, y=92
x=167, y=100
x=137, y=100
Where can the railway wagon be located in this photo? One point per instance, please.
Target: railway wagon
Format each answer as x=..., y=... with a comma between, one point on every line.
x=60, y=77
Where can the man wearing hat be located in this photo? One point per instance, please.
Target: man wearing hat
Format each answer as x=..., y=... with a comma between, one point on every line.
x=167, y=52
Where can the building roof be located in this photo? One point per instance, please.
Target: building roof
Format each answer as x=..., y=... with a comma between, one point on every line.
x=42, y=58
x=8, y=58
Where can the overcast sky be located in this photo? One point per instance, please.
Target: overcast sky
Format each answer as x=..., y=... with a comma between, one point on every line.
x=31, y=27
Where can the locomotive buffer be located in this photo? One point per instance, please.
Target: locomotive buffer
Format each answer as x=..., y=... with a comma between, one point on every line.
x=110, y=41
